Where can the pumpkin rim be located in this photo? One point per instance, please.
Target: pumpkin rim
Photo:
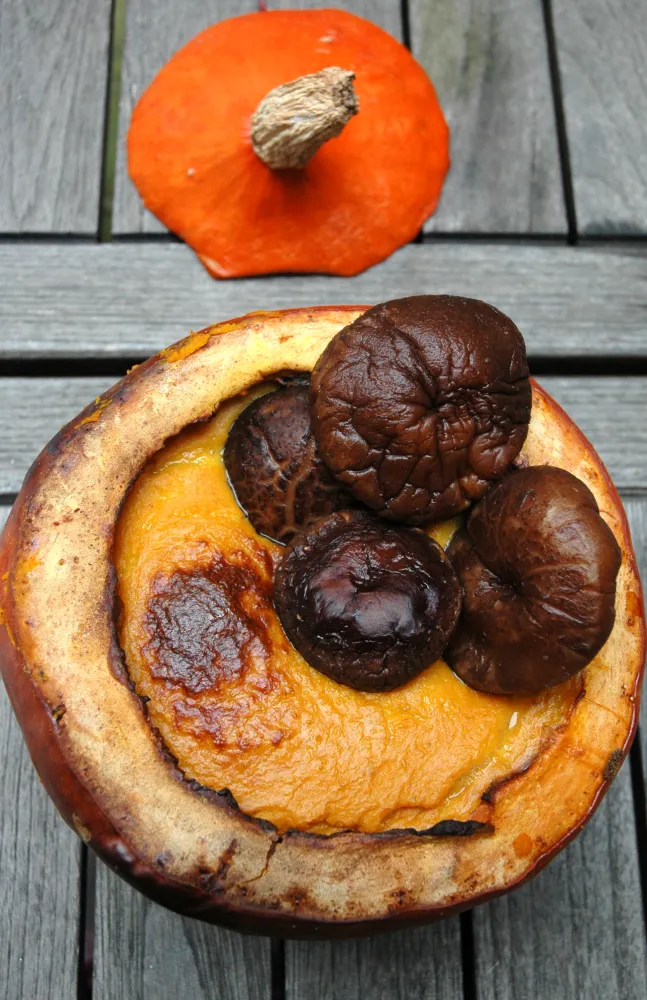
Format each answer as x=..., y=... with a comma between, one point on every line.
x=213, y=889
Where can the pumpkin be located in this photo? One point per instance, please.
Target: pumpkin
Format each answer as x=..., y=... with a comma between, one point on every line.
x=151, y=802
x=228, y=145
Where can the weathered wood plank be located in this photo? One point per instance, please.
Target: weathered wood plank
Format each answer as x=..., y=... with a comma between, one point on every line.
x=423, y=963
x=602, y=50
x=488, y=61
x=39, y=877
x=386, y=13
x=602, y=408
x=53, y=76
x=31, y=412
x=576, y=930
x=153, y=33
x=132, y=299
x=144, y=952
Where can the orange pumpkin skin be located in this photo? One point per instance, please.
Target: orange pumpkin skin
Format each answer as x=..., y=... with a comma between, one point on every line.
x=99, y=759
x=363, y=195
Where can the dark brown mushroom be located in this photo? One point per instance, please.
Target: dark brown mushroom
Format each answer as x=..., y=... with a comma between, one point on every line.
x=421, y=403
x=538, y=566
x=366, y=603
x=273, y=465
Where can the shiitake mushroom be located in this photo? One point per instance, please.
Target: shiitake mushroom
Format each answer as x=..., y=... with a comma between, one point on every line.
x=418, y=407
x=273, y=466
x=538, y=567
x=366, y=603
x=420, y=403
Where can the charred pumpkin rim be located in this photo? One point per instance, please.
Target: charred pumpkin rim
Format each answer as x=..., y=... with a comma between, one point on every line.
x=216, y=891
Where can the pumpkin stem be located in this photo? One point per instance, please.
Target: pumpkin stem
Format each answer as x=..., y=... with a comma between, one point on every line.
x=294, y=120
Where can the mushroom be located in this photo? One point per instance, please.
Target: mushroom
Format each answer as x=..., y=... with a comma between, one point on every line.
x=420, y=403
x=368, y=604
x=273, y=466
x=538, y=566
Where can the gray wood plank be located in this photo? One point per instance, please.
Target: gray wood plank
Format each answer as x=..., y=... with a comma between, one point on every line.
x=133, y=298
x=488, y=61
x=424, y=964
x=39, y=877
x=611, y=411
x=154, y=31
x=602, y=49
x=53, y=76
x=577, y=929
x=144, y=952
x=31, y=412
x=386, y=13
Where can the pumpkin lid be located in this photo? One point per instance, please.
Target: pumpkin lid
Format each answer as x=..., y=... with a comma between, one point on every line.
x=235, y=98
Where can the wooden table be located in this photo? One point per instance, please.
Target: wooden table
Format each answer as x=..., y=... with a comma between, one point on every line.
x=545, y=215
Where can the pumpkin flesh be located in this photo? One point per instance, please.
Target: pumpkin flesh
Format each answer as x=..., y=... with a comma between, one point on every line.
x=292, y=746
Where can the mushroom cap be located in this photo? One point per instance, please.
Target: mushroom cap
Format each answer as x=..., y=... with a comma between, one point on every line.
x=363, y=195
x=538, y=566
x=273, y=465
x=420, y=403
x=366, y=603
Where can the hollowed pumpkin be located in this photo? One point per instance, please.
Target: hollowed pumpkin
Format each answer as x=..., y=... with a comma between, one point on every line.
x=136, y=482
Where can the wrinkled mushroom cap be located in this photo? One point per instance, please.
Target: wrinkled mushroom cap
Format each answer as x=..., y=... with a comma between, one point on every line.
x=368, y=604
x=538, y=566
x=421, y=403
x=273, y=465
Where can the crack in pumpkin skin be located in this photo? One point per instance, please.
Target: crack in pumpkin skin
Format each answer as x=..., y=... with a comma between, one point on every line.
x=294, y=747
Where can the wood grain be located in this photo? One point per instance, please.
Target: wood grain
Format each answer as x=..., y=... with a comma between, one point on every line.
x=577, y=929
x=144, y=952
x=133, y=299
x=386, y=13
x=53, y=77
x=602, y=407
x=39, y=877
x=424, y=963
x=31, y=412
x=602, y=50
x=612, y=412
x=154, y=31
x=488, y=61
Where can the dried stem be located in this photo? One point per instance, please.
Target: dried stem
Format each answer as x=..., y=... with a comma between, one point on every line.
x=295, y=119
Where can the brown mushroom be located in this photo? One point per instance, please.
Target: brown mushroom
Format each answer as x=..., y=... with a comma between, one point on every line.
x=538, y=566
x=273, y=465
x=368, y=604
x=420, y=403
